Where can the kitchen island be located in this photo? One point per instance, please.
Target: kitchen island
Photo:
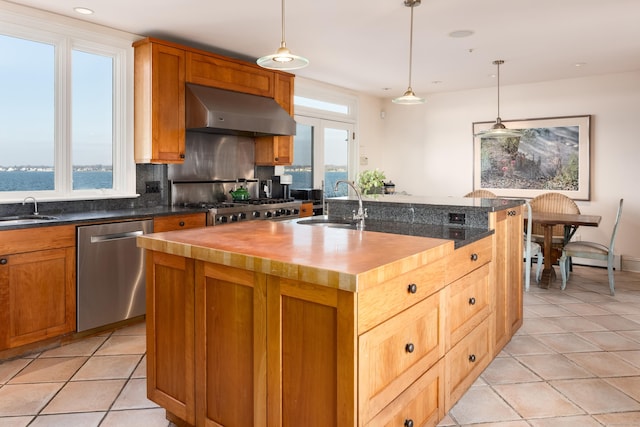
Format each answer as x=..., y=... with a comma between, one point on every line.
x=282, y=324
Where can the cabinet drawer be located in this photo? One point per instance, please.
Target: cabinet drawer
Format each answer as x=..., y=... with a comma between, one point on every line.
x=178, y=222
x=306, y=209
x=468, y=304
x=395, y=353
x=422, y=403
x=225, y=74
x=465, y=362
x=377, y=304
x=36, y=239
x=468, y=258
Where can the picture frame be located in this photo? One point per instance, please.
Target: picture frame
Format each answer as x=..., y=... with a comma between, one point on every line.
x=552, y=155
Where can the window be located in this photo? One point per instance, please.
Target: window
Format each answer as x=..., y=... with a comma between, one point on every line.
x=65, y=130
x=324, y=148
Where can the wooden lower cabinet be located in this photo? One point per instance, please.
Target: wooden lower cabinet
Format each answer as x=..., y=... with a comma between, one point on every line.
x=232, y=347
x=179, y=222
x=37, y=285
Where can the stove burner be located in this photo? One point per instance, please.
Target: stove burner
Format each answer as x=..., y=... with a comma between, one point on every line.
x=247, y=210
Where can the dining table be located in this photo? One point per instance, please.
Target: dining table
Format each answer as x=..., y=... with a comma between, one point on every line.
x=550, y=219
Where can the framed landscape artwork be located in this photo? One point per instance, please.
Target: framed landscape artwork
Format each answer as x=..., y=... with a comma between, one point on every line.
x=552, y=155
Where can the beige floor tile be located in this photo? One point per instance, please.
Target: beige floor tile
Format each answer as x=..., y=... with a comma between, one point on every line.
x=26, y=399
x=51, y=369
x=123, y=344
x=550, y=310
x=137, y=329
x=573, y=421
x=603, y=364
x=629, y=385
x=10, y=368
x=525, y=344
x=141, y=369
x=584, y=308
x=508, y=370
x=85, y=396
x=517, y=423
x=553, y=367
x=537, y=400
x=596, y=396
x=446, y=422
x=134, y=396
x=632, y=335
x=482, y=405
x=614, y=322
x=628, y=419
x=622, y=307
x=81, y=419
x=632, y=357
x=576, y=324
x=15, y=421
x=539, y=326
x=136, y=418
x=107, y=367
x=566, y=343
x=610, y=341
x=86, y=347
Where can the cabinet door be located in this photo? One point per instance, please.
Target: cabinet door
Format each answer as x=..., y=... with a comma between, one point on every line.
x=311, y=352
x=507, y=273
x=159, y=103
x=231, y=345
x=170, y=334
x=278, y=150
x=37, y=296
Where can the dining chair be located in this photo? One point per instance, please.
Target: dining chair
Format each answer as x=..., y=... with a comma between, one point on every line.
x=558, y=203
x=531, y=249
x=591, y=250
x=486, y=194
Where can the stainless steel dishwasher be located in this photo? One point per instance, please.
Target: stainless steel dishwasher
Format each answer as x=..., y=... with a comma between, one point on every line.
x=110, y=273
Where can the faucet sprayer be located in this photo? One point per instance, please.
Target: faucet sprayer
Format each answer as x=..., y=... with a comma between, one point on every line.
x=362, y=213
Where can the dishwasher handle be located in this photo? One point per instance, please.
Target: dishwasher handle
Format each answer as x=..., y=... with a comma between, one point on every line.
x=116, y=236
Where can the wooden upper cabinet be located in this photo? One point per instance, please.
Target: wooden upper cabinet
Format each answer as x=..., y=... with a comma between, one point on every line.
x=278, y=150
x=159, y=103
x=222, y=73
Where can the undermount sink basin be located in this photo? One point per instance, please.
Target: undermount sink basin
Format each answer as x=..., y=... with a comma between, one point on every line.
x=25, y=219
x=331, y=223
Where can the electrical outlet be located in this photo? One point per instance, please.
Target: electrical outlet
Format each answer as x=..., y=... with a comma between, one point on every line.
x=152, y=186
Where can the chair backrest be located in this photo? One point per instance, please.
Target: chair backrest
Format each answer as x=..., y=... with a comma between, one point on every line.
x=615, y=226
x=553, y=202
x=481, y=193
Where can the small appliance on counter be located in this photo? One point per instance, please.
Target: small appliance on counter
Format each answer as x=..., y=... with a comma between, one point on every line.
x=312, y=195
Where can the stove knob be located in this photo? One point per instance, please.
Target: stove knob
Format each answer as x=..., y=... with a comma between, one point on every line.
x=222, y=219
x=296, y=212
x=287, y=211
x=256, y=214
x=242, y=215
x=233, y=218
x=269, y=214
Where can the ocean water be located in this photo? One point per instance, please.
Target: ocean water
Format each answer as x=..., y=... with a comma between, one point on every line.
x=42, y=181
x=303, y=180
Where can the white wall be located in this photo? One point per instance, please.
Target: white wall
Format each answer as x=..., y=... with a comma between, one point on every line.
x=428, y=149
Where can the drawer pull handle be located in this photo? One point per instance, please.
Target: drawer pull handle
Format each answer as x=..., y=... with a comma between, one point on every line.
x=412, y=288
x=472, y=301
x=409, y=348
x=472, y=358
x=181, y=223
x=408, y=423
x=3, y=261
x=474, y=257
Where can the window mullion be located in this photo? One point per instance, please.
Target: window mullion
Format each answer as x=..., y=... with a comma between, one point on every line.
x=63, y=163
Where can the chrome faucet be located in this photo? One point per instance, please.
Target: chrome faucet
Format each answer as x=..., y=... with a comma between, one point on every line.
x=35, y=204
x=362, y=213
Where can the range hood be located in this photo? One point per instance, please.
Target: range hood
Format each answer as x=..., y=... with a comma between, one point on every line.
x=226, y=112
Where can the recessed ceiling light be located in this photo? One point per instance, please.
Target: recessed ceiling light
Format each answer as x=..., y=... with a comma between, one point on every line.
x=83, y=10
x=460, y=33
x=580, y=64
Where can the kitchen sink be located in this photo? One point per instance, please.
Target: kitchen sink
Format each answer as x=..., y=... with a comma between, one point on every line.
x=326, y=222
x=25, y=219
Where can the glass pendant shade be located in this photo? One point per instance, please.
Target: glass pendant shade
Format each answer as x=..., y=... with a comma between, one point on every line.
x=499, y=130
x=409, y=98
x=283, y=59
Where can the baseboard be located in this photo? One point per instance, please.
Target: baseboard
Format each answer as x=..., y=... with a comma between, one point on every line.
x=630, y=264
x=622, y=263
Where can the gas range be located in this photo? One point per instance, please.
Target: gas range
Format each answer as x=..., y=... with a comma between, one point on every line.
x=253, y=209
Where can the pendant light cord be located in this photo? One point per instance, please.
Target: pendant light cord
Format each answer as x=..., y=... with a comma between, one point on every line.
x=411, y=44
x=282, y=42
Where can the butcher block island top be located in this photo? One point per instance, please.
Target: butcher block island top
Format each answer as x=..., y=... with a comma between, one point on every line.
x=275, y=323
x=341, y=258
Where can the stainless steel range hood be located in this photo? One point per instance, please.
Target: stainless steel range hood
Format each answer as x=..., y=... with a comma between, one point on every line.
x=226, y=112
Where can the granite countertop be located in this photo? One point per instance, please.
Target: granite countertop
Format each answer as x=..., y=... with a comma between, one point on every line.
x=488, y=205
x=341, y=258
x=64, y=218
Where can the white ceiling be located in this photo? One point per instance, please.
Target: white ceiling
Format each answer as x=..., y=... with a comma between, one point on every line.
x=364, y=44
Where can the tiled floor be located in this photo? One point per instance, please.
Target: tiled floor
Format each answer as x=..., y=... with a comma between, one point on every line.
x=574, y=362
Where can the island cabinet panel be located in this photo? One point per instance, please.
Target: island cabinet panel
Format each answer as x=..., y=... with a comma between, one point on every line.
x=397, y=352
x=231, y=344
x=170, y=334
x=311, y=355
x=507, y=273
x=37, y=285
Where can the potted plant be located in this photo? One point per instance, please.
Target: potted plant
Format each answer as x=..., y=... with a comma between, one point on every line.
x=371, y=182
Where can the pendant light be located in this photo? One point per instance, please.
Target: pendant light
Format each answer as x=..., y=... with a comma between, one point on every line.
x=283, y=59
x=410, y=98
x=498, y=130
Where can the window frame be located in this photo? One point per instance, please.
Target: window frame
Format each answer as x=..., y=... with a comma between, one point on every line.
x=66, y=35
